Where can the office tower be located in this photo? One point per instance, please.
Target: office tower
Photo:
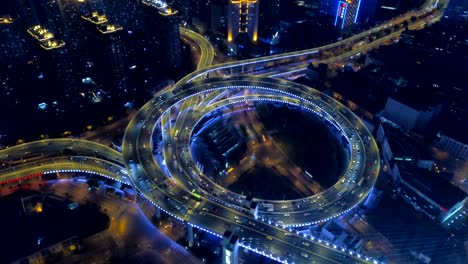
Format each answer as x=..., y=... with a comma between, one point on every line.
x=243, y=18
x=348, y=12
x=218, y=16
x=163, y=23
x=171, y=38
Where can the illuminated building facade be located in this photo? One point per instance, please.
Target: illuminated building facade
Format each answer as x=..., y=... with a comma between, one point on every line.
x=243, y=18
x=347, y=13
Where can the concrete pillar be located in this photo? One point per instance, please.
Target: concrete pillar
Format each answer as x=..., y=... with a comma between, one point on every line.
x=254, y=209
x=190, y=235
x=157, y=213
x=230, y=248
x=251, y=205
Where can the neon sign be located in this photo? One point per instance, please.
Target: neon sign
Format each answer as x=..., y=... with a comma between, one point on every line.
x=341, y=12
x=342, y=9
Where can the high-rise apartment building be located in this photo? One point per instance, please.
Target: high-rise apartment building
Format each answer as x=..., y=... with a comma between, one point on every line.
x=163, y=22
x=243, y=18
x=348, y=12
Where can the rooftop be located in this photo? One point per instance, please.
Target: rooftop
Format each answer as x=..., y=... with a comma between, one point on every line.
x=431, y=184
x=108, y=28
x=95, y=18
x=407, y=145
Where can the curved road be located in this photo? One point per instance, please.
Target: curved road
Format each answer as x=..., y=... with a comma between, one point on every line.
x=206, y=49
x=171, y=193
x=146, y=173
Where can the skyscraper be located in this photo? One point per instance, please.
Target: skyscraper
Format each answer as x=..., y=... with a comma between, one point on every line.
x=170, y=22
x=347, y=12
x=243, y=18
x=218, y=16
x=163, y=22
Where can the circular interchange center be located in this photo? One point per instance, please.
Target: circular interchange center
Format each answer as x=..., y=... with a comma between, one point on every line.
x=165, y=168
x=269, y=150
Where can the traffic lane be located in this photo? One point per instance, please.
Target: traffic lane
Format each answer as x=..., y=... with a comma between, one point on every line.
x=332, y=201
x=220, y=228
x=55, y=146
x=284, y=241
x=63, y=165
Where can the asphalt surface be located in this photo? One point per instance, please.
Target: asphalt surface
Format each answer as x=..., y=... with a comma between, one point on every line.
x=273, y=240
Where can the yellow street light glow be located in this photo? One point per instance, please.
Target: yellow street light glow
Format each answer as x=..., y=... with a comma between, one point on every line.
x=240, y=2
x=6, y=20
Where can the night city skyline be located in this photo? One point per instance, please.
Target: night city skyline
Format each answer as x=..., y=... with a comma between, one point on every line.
x=234, y=131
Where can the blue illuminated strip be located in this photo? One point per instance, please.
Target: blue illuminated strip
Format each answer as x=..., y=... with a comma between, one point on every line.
x=337, y=11
x=357, y=12
x=256, y=250
x=341, y=12
x=454, y=212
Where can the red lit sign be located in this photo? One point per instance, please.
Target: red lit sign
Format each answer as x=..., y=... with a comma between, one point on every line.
x=342, y=9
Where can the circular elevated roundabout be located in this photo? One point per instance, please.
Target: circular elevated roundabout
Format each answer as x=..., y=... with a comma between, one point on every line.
x=158, y=160
x=157, y=154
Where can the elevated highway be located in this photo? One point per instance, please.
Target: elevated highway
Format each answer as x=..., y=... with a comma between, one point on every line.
x=429, y=13
x=162, y=185
x=166, y=186
x=206, y=49
x=60, y=155
x=169, y=185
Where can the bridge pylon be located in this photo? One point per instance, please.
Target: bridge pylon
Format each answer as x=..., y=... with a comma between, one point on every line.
x=230, y=244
